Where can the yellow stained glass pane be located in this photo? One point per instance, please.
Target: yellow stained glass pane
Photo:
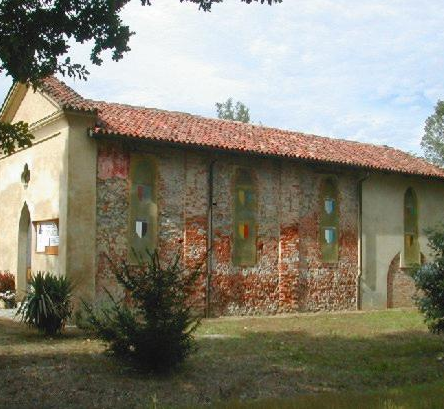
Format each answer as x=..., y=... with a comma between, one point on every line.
x=411, y=244
x=241, y=195
x=241, y=230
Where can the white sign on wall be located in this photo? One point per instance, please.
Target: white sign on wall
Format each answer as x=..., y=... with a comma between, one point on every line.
x=47, y=235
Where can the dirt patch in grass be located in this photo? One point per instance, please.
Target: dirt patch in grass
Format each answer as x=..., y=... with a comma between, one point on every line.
x=238, y=359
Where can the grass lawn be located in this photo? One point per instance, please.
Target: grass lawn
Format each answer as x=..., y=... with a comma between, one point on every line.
x=379, y=359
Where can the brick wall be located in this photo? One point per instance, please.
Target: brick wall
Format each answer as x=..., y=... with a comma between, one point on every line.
x=400, y=285
x=289, y=274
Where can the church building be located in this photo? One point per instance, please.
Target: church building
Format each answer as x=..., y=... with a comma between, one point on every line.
x=280, y=221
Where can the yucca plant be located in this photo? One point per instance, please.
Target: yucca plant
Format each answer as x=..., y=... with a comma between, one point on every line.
x=47, y=305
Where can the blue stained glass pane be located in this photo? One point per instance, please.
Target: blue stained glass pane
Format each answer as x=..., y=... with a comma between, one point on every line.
x=330, y=235
x=248, y=196
x=329, y=205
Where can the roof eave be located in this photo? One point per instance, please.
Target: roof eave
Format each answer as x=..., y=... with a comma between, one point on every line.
x=206, y=148
x=7, y=100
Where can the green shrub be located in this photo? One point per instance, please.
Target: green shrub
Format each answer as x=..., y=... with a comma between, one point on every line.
x=154, y=328
x=81, y=320
x=47, y=304
x=429, y=279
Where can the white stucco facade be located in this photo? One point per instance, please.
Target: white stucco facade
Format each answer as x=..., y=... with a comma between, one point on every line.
x=383, y=227
x=62, y=167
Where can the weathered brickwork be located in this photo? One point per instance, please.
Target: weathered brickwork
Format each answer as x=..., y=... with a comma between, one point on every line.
x=112, y=213
x=400, y=285
x=324, y=285
x=235, y=289
x=289, y=274
x=113, y=207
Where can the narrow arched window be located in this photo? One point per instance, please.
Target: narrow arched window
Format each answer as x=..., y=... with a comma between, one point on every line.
x=411, y=244
x=329, y=223
x=245, y=229
x=143, y=206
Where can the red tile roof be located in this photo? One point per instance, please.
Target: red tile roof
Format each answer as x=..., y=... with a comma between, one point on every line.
x=65, y=96
x=186, y=129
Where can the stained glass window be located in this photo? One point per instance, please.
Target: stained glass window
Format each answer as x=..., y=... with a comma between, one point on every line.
x=411, y=244
x=143, y=206
x=329, y=223
x=244, y=253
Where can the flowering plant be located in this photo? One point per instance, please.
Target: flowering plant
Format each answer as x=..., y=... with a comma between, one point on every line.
x=9, y=298
x=7, y=282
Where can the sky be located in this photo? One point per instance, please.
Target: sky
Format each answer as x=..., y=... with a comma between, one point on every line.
x=368, y=70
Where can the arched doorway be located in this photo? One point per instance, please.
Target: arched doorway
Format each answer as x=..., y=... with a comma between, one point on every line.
x=24, y=251
x=400, y=285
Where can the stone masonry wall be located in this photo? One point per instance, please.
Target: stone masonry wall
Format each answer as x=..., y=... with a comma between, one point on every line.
x=289, y=274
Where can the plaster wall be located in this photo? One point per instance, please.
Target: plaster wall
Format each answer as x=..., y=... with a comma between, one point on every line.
x=383, y=228
x=34, y=107
x=45, y=197
x=80, y=261
x=62, y=164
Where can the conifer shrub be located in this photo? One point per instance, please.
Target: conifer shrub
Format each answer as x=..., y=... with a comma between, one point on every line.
x=429, y=279
x=153, y=325
x=47, y=305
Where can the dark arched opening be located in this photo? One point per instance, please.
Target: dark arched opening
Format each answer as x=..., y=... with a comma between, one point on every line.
x=24, y=251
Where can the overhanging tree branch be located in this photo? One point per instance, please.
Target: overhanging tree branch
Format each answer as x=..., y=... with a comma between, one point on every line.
x=35, y=36
x=14, y=136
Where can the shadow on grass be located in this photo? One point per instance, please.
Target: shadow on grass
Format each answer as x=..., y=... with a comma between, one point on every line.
x=23, y=334
x=248, y=366
x=417, y=397
x=296, y=361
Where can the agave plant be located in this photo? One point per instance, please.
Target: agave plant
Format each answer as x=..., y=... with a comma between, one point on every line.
x=47, y=305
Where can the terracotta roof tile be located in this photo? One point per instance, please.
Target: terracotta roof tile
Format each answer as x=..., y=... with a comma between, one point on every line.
x=182, y=128
x=65, y=96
